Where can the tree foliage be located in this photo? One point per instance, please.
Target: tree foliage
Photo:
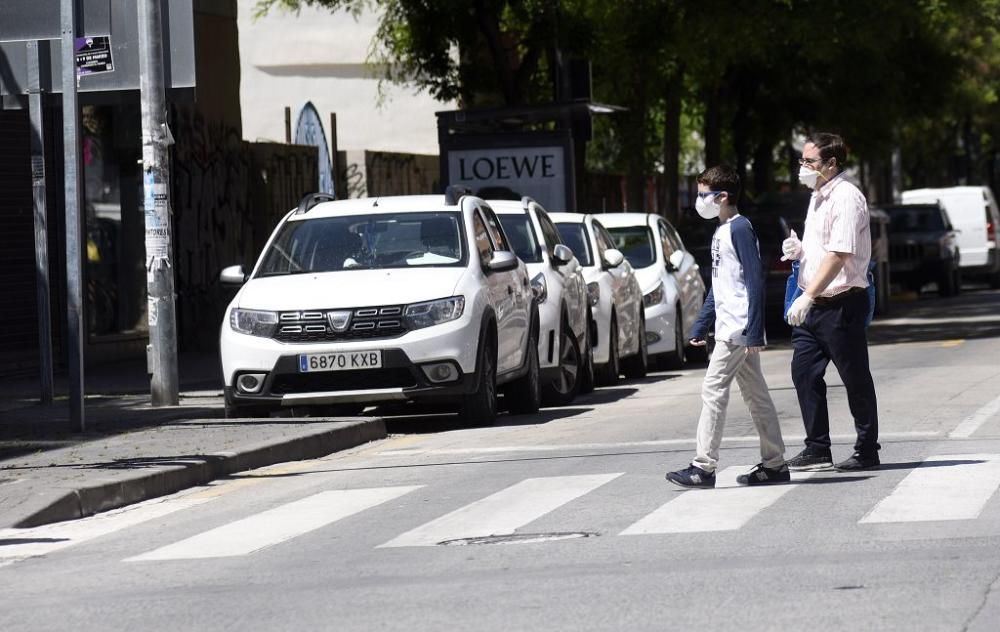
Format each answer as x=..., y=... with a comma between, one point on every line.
x=922, y=76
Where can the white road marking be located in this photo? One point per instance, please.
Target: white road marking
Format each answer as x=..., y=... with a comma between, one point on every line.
x=726, y=508
x=275, y=526
x=750, y=439
x=504, y=512
x=972, y=423
x=946, y=491
x=48, y=538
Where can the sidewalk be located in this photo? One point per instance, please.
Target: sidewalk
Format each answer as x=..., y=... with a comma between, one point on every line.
x=131, y=451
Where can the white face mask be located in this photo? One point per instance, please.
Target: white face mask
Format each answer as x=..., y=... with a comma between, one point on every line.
x=708, y=210
x=808, y=177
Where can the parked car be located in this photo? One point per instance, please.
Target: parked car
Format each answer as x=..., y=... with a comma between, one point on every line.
x=565, y=355
x=361, y=301
x=924, y=247
x=974, y=215
x=672, y=287
x=617, y=335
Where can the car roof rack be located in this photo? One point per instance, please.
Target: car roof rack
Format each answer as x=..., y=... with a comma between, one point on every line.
x=454, y=192
x=527, y=201
x=310, y=200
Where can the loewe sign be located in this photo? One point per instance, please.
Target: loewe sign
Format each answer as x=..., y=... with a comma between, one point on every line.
x=536, y=171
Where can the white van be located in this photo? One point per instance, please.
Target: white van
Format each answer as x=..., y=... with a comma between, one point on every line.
x=975, y=216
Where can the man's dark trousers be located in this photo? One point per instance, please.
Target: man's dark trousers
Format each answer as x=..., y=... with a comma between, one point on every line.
x=835, y=331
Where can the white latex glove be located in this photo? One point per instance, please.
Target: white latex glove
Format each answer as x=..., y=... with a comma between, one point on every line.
x=791, y=247
x=799, y=308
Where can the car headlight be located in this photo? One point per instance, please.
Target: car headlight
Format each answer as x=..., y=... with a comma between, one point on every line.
x=253, y=322
x=654, y=296
x=593, y=293
x=420, y=315
x=540, y=288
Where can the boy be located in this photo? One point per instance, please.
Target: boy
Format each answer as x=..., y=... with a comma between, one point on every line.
x=736, y=305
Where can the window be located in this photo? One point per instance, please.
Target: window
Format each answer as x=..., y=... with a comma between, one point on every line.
x=549, y=231
x=665, y=242
x=521, y=233
x=494, y=229
x=575, y=236
x=636, y=243
x=482, y=239
x=354, y=242
x=604, y=240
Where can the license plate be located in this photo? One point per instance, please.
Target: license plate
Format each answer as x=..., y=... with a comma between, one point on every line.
x=347, y=361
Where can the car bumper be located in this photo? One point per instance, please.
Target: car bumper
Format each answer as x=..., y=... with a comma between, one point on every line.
x=660, y=329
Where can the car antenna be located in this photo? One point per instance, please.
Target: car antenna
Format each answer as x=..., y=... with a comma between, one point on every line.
x=375, y=203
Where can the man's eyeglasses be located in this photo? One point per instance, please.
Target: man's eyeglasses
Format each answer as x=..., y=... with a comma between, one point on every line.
x=705, y=194
x=809, y=161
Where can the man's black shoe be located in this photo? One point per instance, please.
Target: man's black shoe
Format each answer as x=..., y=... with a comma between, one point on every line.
x=761, y=475
x=858, y=462
x=809, y=461
x=692, y=476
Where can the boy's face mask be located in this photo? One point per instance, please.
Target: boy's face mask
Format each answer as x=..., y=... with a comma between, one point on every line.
x=708, y=208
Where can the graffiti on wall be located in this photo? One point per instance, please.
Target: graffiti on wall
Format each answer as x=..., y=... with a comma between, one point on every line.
x=391, y=173
x=227, y=196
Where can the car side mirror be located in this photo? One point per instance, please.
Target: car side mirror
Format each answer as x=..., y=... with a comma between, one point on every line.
x=613, y=258
x=502, y=260
x=561, y=255
x=233, y=275
x=675, y=261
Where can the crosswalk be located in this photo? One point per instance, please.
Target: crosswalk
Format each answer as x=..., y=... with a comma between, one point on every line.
x=940, y=488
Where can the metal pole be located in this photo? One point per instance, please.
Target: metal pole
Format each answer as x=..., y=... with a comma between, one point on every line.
x=288, y=125
x=74, y=226
x=156, y=185
x=35, y=63
x=338, y=190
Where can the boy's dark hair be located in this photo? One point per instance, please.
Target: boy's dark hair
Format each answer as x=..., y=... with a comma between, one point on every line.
x=722, y=178
x=830, y=146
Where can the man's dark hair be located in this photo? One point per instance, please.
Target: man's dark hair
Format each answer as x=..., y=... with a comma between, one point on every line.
x=830, y=146
x=722, y=178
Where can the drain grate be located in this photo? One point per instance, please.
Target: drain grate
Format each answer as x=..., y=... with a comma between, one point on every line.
x=520, y=538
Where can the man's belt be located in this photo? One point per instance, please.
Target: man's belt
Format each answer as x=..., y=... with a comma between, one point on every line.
x=836, y=298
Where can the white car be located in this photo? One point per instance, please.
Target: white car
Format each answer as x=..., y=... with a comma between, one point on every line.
x=362, y=301
x=618, y=332
x=672, y=288
x=564, y=352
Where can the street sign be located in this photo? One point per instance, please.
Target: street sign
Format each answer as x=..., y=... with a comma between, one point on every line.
x=25, y=20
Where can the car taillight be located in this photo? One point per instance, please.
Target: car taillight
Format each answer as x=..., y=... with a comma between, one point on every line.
x=991, y=231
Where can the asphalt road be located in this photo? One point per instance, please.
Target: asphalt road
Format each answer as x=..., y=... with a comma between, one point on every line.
x=562, y=520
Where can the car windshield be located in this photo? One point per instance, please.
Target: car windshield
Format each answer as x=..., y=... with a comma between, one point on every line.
x=575, y=236
x=917, y=219
x=365, y=242
x=636, y=243
x=522, y=237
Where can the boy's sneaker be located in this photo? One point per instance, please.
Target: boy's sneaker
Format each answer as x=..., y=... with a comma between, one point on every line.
x=859, y=461
x=761, y=475
x=692, y=476
x=809, y=461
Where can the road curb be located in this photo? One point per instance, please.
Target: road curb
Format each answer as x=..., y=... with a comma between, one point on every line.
x=89, y=500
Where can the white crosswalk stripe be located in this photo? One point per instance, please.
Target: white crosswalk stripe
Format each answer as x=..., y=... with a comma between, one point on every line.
x=37, y=541
x=275, y=526
x=955, y=487
x=505, y=511
x=726, y=508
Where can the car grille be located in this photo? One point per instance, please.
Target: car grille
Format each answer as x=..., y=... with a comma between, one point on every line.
x=366, y=323
x=906, y=252
x=332, y=381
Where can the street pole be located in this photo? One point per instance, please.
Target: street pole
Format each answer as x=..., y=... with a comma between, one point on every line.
x=74, y=226
x=38, y=58
x=156, y=186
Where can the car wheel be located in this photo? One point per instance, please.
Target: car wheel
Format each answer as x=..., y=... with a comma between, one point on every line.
x=636, y=366
x=524, y=395
x=562, y=390
x=607, y=374
x=480, y=407
x=676, y=359
x=587, y=370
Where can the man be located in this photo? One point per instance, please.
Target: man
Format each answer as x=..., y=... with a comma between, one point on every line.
x=735, y=304
x=828, y=318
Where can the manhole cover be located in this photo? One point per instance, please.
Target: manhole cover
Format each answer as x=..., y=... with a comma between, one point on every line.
x=519, y=538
